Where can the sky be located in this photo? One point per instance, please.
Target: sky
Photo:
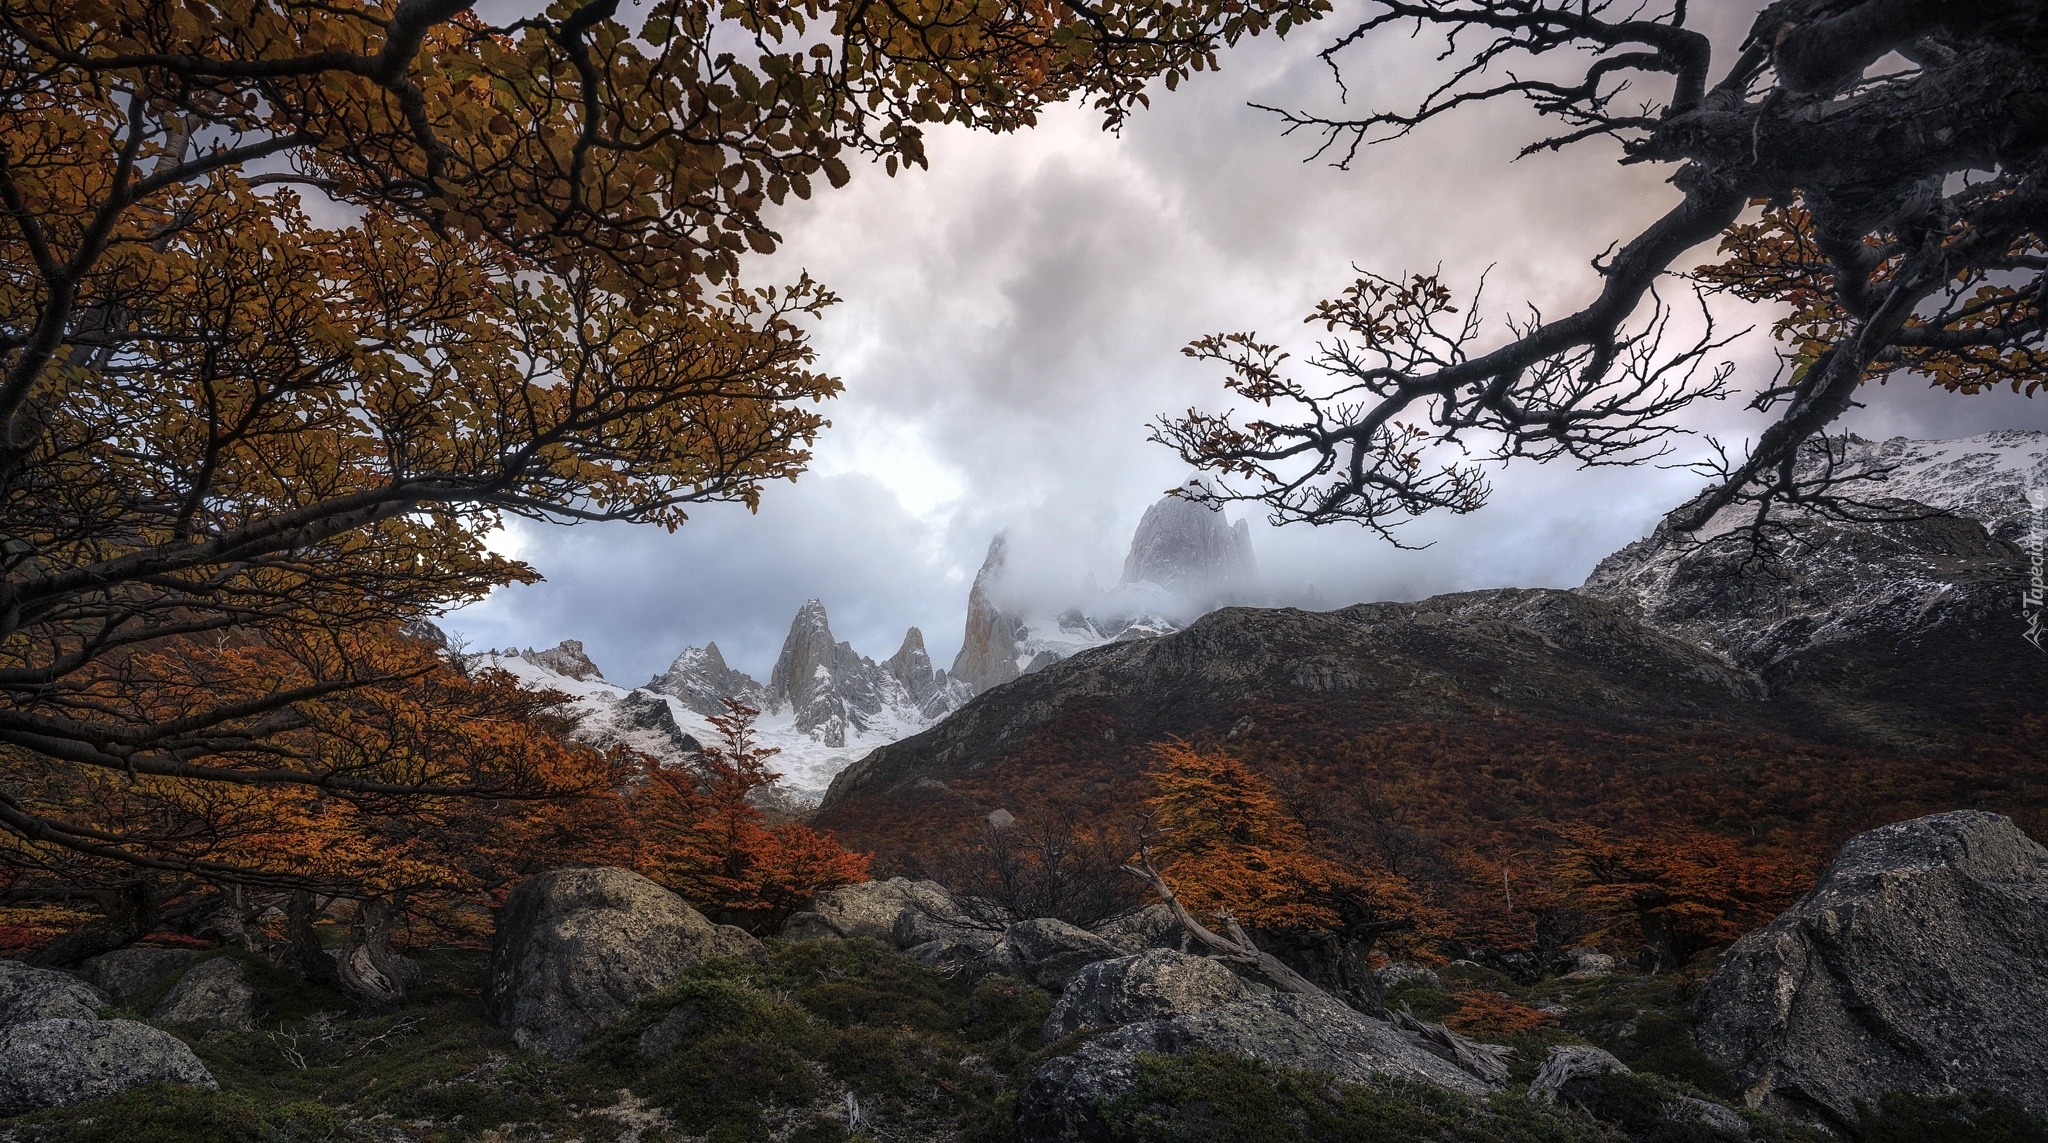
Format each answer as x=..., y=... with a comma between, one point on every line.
x=1012, y=320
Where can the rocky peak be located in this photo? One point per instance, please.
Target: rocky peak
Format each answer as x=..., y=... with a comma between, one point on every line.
x=829, y=687
x=566, y=659
x=1937, y=536
x=988, y=652
x=702, y=680
x=1190, y=548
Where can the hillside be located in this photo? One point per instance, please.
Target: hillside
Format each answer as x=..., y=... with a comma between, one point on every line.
x=1863, y=672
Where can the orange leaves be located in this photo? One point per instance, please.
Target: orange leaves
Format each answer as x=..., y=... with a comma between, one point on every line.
x=1676, y=891
x=1228, y=845
x=700, y=834
x=1489, y=1015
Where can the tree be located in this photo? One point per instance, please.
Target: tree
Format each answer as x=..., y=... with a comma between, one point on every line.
x=1674, y=892
x=299, y=301
x=1047, y=864
x=1229, y=848
x=702, y=835
x=1906, y=231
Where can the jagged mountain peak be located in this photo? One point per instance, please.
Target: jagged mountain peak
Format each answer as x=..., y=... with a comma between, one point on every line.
x=1191, y=548
x=700, y=678
x=566, y=659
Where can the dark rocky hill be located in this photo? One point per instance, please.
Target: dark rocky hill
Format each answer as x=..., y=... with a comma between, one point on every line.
x=1861, y=672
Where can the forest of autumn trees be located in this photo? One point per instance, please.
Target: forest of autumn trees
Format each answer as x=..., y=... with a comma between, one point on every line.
x=299, y=302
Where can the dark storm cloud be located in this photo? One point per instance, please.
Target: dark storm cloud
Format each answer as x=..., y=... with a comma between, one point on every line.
x=1013, y=318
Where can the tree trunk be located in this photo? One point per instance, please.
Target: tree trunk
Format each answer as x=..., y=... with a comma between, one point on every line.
x=128, y=913
x=302, y=943
x=370, y=973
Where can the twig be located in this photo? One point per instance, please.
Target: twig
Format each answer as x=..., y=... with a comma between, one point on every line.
x=395, y=1029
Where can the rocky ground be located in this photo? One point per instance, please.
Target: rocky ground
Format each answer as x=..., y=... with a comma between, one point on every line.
x=607, y=1010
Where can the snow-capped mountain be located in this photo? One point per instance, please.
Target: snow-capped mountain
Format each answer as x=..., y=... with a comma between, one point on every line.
x=1185, y=561
x=824, y=706
x=1944, y=517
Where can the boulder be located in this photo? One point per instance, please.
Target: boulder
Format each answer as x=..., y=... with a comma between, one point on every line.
x=1048, y=952
x=52, y=1063
x=873, y=909
x=127, y=972
x=1918, y=964
x=1591, y=964
x=214, y=995
x=28, y=993
x=1152, y=927
x=1601, y=1086
x=575, y=948
x=1395, y=974
x=1061, y=1102
x=1155, y=983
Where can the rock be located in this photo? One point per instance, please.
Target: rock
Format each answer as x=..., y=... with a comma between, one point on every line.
x=1152, y=927
x=52, y=1063
x=125, y=972
x=988, y=647
x=1395, y=974
x=1604, y=1087
x=1590, y=964
x=215, y=994
x=565, y=658
x=1918, y=964
x=1571, y=1068
x=952, y=957
x=1048, y=952
x=1061, y=1101
x=28, y=993
x=873, y=909
x=1153, y=984
x=575, y=948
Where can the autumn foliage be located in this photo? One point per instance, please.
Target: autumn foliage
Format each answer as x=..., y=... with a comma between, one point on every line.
x=1228, y=845
x=1673, y=892
x=701, y=834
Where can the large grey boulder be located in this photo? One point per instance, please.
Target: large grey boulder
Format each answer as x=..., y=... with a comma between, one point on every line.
x=575, y=948
x=1048, y=952
x=1152, y=927
x=127, y=972
x=898, y=912
x=1061, y=1102
x=28, y=993
x=215, y=995
x=1155, y=983
x=52, y=1063
x=1918, y=964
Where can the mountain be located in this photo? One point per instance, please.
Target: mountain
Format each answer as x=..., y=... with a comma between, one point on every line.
x=1185, y=560
x=1865, y=671
x=700, y=678
x=1190, y=549
x=833, y=691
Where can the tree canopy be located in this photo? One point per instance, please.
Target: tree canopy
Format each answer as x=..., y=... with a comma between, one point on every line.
x=1895, y=144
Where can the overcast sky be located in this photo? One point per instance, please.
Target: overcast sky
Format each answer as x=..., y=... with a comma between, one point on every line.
x=1013, y=318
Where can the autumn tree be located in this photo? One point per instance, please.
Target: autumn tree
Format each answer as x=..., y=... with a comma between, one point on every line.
x=299, y=302
x=701, y=834
x=1047, y=862
x=1905, y=234
x=1225, y=843
x=1672, y=893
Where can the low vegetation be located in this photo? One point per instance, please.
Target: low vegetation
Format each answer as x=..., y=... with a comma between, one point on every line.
x=828, y=1041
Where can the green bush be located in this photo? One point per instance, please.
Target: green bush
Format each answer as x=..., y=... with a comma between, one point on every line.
x=169, y=1113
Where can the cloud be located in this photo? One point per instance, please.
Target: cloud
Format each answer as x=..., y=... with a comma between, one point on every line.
x=1013, y=318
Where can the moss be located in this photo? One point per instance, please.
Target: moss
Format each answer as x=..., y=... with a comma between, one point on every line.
x=164, y=1113
x=1201, y=1097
